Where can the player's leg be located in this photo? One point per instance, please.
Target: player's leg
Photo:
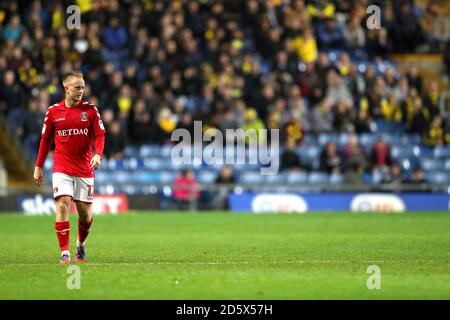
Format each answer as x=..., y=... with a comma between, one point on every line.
x=63, y=194
x=83, y=198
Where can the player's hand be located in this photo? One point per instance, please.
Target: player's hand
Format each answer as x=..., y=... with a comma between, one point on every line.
x=95, y=162
x=38, y=176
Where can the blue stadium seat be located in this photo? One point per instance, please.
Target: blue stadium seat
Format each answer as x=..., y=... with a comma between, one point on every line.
x=406, y=164
x=156, y=164
x=144, y=177
x=324, y=138
x=120, y=177
x=297, y=178
x=309, y=140
x=206, y=176
x=167, y=176
x=132, y=151
x=447, y=165
x=411, y=139
x=318, y=178
x=134, y=163
x=149, y=151
x=166, y=151
x=115, y=164
x=367, y=140
x=279, y=178
x=48, y=164
x=250, y=177
x=343, y=139
x=442, y=152
x=426, y=151
x=108, y=189
x=102, y=177
x=432, y=164
x=403, y=152
x=439, y=177
x=336, y=179
x=392, y=138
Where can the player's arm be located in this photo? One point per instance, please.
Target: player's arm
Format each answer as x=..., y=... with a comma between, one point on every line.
x=48, y=130
x=99, y=141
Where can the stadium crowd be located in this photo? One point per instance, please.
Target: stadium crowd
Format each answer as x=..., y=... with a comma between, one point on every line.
x=303, y=66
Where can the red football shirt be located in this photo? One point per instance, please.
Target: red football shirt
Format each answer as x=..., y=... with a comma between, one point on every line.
x=73, y=130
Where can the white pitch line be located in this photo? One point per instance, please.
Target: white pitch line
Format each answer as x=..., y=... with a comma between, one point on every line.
x=215, y=262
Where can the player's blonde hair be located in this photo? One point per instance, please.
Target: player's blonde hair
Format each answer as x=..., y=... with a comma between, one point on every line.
x=72, y=74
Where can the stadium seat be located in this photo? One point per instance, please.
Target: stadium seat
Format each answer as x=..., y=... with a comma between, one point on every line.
x=410, y=139
x=343, y=139
x=132, y=151
x=166, y=151
x=206, y=176
x=115, y=164
x=149, y=151
x=297, y=178
x=120, y=177
x=447, y=165
x=134, y=163
x=367, y=140
x=432, y=164
x=167, y=177
x=439, y=177
x=403, y=152
x=324, y=138
x=144, y=177
x=336, y=179
x=279, y=178
x=156, y=163
x=442, y=152
x=309, y=140
x=251, y=177
x=318, y=178
x=102, y=177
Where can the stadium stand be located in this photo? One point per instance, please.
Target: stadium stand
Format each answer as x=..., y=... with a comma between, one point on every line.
x=309, y=68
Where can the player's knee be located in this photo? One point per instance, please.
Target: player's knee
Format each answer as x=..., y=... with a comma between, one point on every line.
x=63, y=204
x=84, y=211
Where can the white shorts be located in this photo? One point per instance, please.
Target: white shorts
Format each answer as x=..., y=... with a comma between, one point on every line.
x=79, y=189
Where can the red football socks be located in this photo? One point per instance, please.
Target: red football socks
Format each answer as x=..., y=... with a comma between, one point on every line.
x=63, y=233
x=83, y=230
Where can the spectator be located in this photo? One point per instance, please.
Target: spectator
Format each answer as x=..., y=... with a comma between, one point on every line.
x=408, y=33
x=427, y=24
x=417, y=176
x=363, y=123
x=306, y=46
x=330, y=35
x=115, y=141
x=330, y=160
x=419, y=119
x=394, y=177
x=436, y=135
x=13, y=30
x=354, y=155
x=354, y=35
x=11, y=94
x=185, y=191
x=380, y=156
x=290, y=160
x=431, y=98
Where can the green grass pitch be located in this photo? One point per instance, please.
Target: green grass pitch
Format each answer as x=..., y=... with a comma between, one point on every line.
x=232, y=256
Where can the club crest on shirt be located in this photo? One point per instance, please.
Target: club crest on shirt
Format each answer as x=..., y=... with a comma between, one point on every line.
x=84, y=116
x=55, y=189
